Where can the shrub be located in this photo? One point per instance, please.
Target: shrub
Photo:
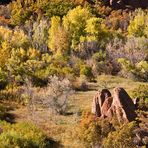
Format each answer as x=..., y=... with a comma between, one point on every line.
x=11, y=94
x=100, y=63
x=3, y=79
x=16, y=38
x=123, y=137
x=99, y=56
x=118, y=19
x=57, y=93
x=59, y=65
x=141, y=93
x=126, y=67
x=139, y=71
x=25, y=64
x=92, y=130
x=58, y=8
x=54, y=96
x=80, y=84
x=130, y=52
x=39, y=34
x=87, y=71
x=3, y=111
x=20, y=12
x=23, y=135
x=5, y=51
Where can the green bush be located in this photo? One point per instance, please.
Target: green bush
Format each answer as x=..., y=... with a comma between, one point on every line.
x=141, y=92
x=80, y=84
x=141, y=71
x=13, y=94
x=22, y=135
x=3, y=79
x=58, y=8
x=101, y=64
x=138, y=25
x=3, y=111
x=121, y=138
x=138, y=71
x=99, y=56
x=92, y=130
x=86, y=71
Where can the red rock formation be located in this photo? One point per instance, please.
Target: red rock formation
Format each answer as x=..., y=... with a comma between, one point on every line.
x=106, y=106
x=98, y=101
x=125, y=108
x=96, y=106
x=121, y=105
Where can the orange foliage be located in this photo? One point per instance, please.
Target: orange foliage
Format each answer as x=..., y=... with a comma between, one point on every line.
x=3, y=20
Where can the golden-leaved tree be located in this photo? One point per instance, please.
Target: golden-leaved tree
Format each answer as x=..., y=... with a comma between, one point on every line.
x=139, y=24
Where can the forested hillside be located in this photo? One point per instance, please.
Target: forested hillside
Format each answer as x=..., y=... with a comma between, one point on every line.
x=53, y=50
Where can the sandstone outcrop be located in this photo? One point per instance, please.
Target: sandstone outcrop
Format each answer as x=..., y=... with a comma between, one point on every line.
x=98, y=101
x=120, y=105
x=123, y=104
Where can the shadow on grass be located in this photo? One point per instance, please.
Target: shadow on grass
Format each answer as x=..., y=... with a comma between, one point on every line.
x=53, y=144
x=69, y=113
x=5, y=115
x=9, y=118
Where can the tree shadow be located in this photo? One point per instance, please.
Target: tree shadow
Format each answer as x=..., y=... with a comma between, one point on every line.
x=69, y=113
x=8, y=117
x=5, y=115
x=53, y=144
x=2, y=2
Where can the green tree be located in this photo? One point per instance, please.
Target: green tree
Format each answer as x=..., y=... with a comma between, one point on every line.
x=139, y=25
x=58, y=37
x=74, y=22
x=5, y=51
x=93, y=27
x=96, y=31
x=24, y=64
x=20, y=11
x=58, y=8
x=55, y=24
x=40, y=35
